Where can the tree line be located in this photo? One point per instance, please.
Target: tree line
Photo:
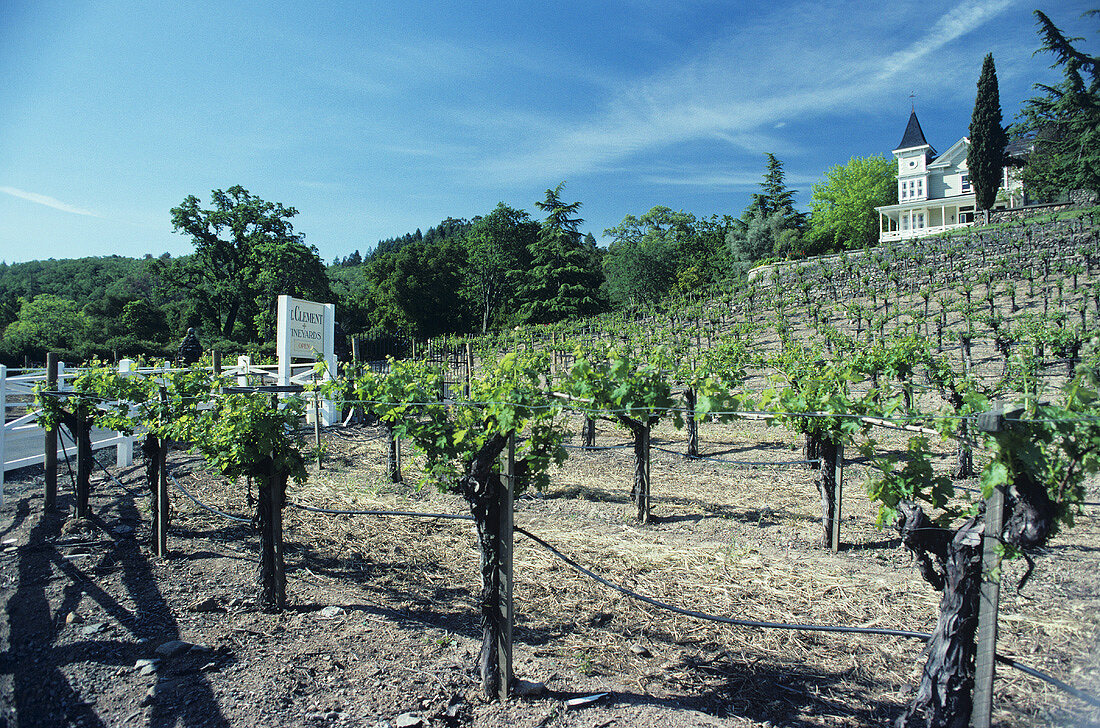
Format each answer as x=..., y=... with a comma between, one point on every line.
x=506, y=268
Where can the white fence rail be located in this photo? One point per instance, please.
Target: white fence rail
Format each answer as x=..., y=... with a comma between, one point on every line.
x=22, y=441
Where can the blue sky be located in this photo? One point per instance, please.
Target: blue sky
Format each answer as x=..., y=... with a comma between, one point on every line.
x=374, y=119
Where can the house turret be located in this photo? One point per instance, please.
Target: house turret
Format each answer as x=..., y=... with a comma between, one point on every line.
x=914, y=154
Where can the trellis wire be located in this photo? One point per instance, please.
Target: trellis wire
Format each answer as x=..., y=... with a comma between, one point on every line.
x=748, y=414
x=199, y=503
x=738, y=462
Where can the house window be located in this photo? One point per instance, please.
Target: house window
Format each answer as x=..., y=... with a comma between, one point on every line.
x=965, y=182
x=905, y=223
x=920, y=220
x=920, y=187
x=901, y=193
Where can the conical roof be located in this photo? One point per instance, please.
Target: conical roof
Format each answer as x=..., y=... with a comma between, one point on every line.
x=914, y=135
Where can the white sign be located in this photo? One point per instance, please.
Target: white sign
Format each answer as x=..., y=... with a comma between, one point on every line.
x=305, y=329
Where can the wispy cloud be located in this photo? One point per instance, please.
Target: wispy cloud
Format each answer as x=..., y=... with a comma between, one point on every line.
x=742, y=179
x=813, y=60
x=48, y=201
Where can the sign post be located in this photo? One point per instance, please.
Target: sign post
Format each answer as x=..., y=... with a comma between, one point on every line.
x=307, y=330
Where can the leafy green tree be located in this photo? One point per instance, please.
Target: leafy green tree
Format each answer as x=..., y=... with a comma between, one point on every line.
x=246, y=255
x=418, y=289
x=498, y=249
x=47, y=323
x=760, y=234
x=564, y=279
x=704, y=257
x=351, y=289
x=1063, y=124
x=143, y=320
x=985, y=158
x=843, y=204
x=646, y=255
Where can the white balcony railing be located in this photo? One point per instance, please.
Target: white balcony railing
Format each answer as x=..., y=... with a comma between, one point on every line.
x=892, y=235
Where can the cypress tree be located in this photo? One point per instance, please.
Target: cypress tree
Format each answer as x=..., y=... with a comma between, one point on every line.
x=985, y=159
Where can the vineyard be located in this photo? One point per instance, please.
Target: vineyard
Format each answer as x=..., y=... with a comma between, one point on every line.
x=741, y=457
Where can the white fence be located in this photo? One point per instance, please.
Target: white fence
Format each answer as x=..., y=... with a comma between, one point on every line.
x=22, y=441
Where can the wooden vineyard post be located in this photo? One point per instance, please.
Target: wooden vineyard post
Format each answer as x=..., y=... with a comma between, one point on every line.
x=504, y=565
x=393, y=456
x=83, y=461
x=317, y=426
x=51, y=440
x=988, y=604
x=469, y=368
x=278, y=495
x=837, y=465
x=643, y=486
x=160, y=525
x=124, y=451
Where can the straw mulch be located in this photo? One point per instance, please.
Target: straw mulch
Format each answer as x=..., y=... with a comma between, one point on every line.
x=732, y=540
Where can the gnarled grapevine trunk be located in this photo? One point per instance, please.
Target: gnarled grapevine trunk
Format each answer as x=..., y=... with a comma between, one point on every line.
x=483, y=490
x=150, y=450
x=80, y=428
x=925, y=541
x=393, y=455
x=639, y=489
x=826, y=485
x=588, y=432
x=692, y=425
x=964, y=455
x=811, y=451
x=944, y=698
x=272, y=574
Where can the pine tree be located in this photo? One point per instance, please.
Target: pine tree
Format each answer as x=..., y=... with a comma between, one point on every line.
x=1063, y=125
x=985, y=159
x=774, y=196
x=565, y=276
x=770, y=225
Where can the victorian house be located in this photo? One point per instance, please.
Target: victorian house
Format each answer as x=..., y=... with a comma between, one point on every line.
x=934, y=192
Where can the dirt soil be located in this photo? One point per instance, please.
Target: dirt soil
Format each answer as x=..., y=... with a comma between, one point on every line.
x=381, y=628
